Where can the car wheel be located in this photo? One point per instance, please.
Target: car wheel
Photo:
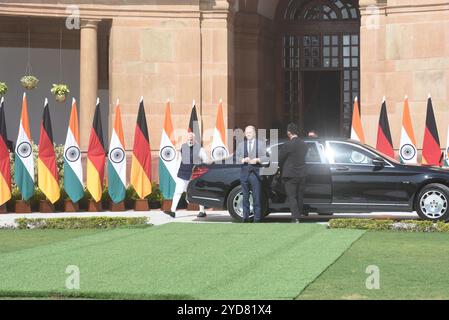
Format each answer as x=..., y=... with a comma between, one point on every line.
x=432, y=202
x=235, y=204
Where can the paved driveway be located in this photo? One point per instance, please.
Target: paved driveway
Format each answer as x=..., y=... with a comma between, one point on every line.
x=159, y=218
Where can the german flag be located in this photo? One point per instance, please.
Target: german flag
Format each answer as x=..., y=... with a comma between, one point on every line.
x=431, y=153
x=47, y=172
x=5, y=167
x=141, y=158
x=194, y=125
x=96, y=156
x=384, y=141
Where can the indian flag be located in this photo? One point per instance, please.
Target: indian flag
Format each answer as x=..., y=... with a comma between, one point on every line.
x=218, y=148
x=408, y=154
x=73, y=170
x=168, y=162
x=117, y=160
x=24, y=161
x=357, y=129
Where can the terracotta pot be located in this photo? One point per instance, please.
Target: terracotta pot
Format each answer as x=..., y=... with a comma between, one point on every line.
x=3, y=209
x=166, y=205
x=193, y=207
x=93, y=206
x=70, y=206
x=141, y=205
x=22, y=206
x=46, y=206
x=155, y=204
x=60, y=97
x=117, y=207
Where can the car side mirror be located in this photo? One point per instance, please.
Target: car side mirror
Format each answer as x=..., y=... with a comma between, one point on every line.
x=379, y=162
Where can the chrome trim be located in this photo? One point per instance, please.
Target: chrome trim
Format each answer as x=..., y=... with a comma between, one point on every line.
x=332, y=161
x=355, y=204
x=318, y=145
x=205, y=198
x=370, y=204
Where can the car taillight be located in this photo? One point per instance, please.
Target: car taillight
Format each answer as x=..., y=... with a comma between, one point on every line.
x=198, y=172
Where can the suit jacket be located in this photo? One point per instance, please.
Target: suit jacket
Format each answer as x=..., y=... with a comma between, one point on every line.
x=292, y=158
x=258, y=151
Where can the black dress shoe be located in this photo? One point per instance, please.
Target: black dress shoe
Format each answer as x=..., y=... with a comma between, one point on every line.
x=170, y=213
x=202, y=215
x=295, y=221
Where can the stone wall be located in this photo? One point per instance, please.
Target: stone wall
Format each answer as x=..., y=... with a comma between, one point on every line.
x=404, y=50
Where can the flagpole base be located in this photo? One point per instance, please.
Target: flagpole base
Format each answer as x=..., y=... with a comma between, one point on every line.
x=3, y=209
x=166, y=205
x=70, y=206
x=141, y=205
x=22, y=206
x=193, y=207
x=117, y=207
x=46, y=206
x=93, y=206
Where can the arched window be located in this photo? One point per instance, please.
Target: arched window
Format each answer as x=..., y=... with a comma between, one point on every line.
x=319, y=36
x=321, y=10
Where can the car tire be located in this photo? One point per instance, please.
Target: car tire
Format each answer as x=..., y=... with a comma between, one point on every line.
x=432, y=202
x=233, y=201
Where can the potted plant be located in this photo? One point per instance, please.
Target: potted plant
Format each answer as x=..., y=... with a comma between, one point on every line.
x=29, y=82
x=3, y=88
x=155, y=198
x=60, y=91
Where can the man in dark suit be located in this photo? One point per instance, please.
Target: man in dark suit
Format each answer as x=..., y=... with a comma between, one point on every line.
x=292, y=161
x=251, y=153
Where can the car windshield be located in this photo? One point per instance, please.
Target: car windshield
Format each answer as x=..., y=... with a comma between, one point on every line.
x=380, y=153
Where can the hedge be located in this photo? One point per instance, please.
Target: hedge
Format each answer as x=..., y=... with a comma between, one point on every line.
x=81, y=222
x=394, y=225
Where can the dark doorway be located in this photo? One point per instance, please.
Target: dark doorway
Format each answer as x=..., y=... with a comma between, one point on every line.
x=318, y=35
x=322, y=109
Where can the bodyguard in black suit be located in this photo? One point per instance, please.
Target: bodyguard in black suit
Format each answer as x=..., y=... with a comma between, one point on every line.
x=292, y=161
x=251, y=153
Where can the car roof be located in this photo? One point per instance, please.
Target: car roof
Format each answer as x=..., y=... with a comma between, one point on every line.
x=319, y=139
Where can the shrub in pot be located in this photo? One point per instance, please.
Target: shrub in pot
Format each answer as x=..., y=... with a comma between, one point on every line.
x=29, y=82
x=60, y=91
x=3, y=88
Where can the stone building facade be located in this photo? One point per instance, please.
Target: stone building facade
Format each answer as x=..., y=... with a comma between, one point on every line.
x=271, y=61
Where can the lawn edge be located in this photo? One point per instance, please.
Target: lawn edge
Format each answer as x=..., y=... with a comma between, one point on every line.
x=330, y=265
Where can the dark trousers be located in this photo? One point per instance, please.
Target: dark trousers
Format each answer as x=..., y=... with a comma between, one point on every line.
x=253, y=184
x=294, y=188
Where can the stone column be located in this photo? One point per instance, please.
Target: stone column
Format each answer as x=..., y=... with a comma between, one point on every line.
x=88, y=77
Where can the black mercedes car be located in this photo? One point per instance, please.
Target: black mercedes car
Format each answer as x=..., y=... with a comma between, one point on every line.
x=343, y=176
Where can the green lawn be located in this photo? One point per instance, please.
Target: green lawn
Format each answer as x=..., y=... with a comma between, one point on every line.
x=177, y=261
x=224, y=261
x=411, y=265
x=13, y=240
